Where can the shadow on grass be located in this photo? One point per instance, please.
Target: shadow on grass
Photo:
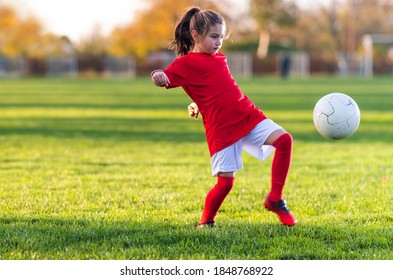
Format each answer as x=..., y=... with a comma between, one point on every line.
x=126, y=105
x=61, y=238
x=120, y=128
x=178, y=101
x=171, y=130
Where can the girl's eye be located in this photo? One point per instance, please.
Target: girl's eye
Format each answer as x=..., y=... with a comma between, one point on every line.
x=216, y=36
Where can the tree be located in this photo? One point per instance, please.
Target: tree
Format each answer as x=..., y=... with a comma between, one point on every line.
x=153, y=28
x=270, y=14
x=339, y=27
x=94, y=44
x=91, y=51
x=18, y=36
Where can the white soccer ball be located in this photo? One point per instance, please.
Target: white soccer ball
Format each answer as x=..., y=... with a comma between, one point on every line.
x=336, y=116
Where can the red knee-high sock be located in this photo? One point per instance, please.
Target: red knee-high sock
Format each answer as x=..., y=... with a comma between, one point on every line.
x=215, y=198
x=280, y=165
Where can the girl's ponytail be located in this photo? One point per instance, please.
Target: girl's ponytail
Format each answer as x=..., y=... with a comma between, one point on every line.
x=183, y=42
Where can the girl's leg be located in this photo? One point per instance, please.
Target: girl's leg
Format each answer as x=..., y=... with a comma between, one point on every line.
x=216, y=196
x=282, y=141
x=224, y=163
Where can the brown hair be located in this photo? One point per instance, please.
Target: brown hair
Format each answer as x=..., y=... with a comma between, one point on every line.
x=194, y=19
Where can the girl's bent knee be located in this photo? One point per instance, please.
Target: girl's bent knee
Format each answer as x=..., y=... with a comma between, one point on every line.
x=225, y=183
x=284, y=142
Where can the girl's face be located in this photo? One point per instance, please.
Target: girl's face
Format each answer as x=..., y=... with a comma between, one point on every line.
x=211, y=42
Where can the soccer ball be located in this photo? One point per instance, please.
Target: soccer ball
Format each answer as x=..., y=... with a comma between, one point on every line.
x=336, y=116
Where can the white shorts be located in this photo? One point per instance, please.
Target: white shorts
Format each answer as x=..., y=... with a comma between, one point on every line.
x=230, y=158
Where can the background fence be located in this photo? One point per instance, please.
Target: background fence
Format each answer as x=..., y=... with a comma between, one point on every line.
x=243, y=64
x=12, y=66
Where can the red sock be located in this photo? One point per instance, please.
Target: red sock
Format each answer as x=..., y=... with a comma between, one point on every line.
x=215, y=198
x=280, y=165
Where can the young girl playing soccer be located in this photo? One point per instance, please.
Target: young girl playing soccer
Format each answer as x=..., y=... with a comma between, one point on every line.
x=231, y=121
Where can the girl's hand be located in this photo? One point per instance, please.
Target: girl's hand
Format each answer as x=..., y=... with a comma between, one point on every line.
x=193, y=111
x=160, y=79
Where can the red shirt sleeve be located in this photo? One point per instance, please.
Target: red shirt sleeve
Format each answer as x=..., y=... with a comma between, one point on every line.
x=177, y=73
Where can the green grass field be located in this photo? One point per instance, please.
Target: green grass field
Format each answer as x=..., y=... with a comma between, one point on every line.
x=114, y=169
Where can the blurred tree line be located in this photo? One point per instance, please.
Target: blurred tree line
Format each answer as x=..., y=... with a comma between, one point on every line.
x=267, y=26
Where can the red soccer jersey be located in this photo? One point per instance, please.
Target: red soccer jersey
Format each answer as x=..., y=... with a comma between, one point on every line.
x=227, y=113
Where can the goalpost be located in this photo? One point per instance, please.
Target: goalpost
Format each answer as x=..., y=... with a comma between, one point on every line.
x=368, y=41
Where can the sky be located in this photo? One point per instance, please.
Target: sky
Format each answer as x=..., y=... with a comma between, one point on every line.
x=78, y=18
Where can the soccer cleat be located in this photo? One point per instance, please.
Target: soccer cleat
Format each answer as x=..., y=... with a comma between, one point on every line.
x=280, y=208
x=207, y=225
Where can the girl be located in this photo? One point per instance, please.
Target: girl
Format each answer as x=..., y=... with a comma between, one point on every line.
x=231, y=121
